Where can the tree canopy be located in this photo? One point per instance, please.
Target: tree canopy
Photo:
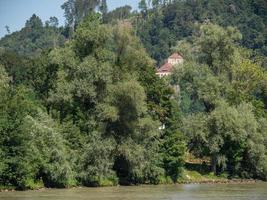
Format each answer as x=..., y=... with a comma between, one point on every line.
x=81, y=105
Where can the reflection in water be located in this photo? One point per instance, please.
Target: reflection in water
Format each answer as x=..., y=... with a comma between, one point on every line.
x=166, y=192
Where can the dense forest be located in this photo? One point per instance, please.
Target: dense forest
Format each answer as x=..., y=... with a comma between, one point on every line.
x=82, y=104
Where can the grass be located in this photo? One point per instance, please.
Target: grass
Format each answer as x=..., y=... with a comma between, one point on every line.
x=191, y=176
x=200, y=173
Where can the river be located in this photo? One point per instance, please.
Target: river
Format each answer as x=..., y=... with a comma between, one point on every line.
x=257, y=191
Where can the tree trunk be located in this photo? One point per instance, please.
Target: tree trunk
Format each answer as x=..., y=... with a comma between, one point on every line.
x=214, y=163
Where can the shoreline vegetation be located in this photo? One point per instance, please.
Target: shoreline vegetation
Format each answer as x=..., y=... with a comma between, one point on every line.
x=195, y=171
x=204, y=180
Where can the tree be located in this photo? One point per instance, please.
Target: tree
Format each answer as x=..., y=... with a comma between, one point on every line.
x=77, y=10
x=93, y=112
x=248, y=80
x=143, y=6
x=104, y=9
x=50, y=157
x=217, y=47
x=174, y=148
x=101, y=90
x=53, y=21
x=214, y=94
x=181, y=18
x=14, y=143
x=34, y=38
x=119, y=13
x=97, y=161
x=7, y=29
x=34, y=22
x=226, y=137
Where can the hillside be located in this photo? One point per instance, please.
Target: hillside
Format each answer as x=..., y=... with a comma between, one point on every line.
x=164, y=24
x=34, y=38
x=83, y=105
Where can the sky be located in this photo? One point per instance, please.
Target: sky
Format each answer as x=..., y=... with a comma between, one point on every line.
x=14, y=13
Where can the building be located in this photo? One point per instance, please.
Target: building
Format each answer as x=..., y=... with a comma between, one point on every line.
x=166, y=69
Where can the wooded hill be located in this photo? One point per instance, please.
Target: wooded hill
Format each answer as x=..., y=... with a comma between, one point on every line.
x=82, y=105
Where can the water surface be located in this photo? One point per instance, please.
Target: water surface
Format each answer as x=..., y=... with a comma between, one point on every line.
x=257, y=191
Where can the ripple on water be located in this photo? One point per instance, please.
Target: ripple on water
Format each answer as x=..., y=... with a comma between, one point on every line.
x=257, y=191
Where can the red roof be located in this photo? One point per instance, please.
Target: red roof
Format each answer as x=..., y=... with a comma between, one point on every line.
x=176, y=56
x=167, y=67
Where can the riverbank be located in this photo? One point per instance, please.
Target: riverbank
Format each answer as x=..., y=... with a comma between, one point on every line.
x=196, y=177
x=7, y=188
x=190, y=177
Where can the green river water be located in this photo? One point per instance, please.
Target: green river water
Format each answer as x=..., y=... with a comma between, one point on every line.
x=257, y=191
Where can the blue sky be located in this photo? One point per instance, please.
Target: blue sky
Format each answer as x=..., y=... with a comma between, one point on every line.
x=14, y=13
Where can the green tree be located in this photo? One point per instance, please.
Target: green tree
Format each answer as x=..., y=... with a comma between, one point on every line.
x=34, y=38
x=180, y=19
x=217, y=47
x=119, y=13
x=226, y=135
x=101, y=89
x=77, y=10
x=14, y=107
x=50, y=156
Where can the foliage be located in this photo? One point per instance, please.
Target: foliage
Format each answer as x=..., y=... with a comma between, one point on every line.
x=163, y=23
x=93, y=112
x=34, y=37
x=173, y=156
x=101, y=91
x=231, y=108
x=76, y=10
x=226, y=134
x=120, y=13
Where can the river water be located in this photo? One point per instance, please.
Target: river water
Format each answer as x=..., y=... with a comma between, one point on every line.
x=257, y=191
